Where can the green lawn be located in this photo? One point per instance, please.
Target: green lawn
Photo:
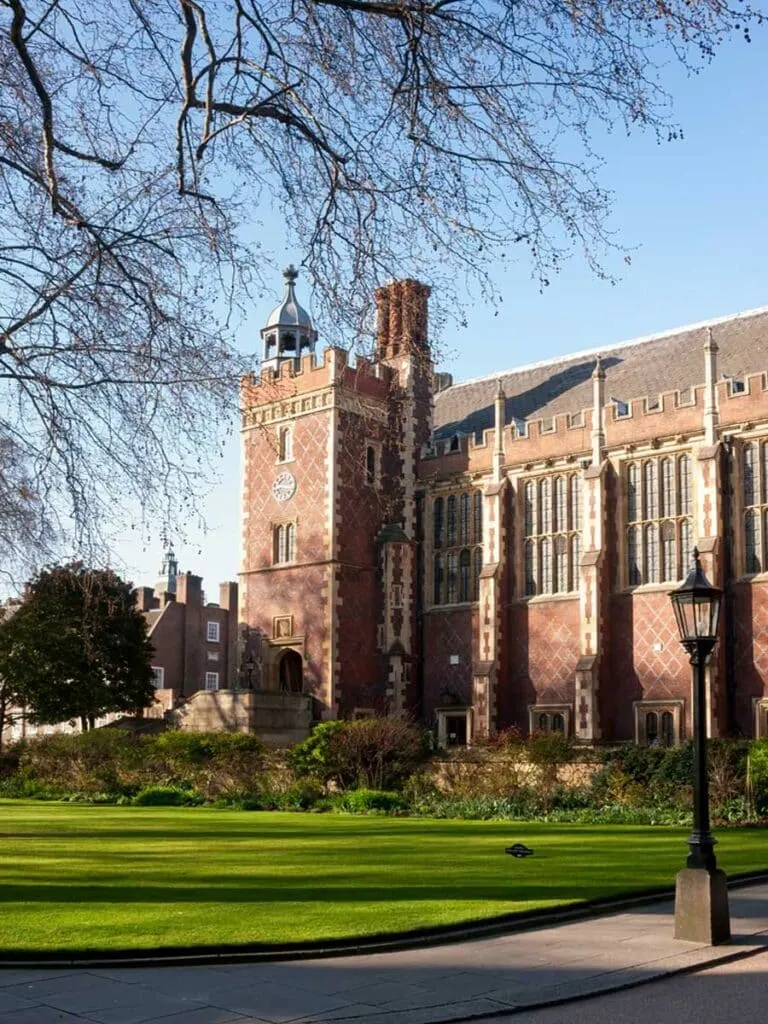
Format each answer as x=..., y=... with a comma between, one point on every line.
x=79, y=877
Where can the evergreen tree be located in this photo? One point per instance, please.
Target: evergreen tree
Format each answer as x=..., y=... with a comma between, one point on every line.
x=78, y=647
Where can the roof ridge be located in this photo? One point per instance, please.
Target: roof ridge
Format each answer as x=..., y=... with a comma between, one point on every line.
x=607, y=349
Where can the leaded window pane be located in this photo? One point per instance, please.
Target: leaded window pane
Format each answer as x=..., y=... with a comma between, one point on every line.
x=633, y=494
x=530, y=568
x=529, y=512
x=437, y=592
x=545, y=507
x=667, y=729
x=686, y=546
x=560, y=515
x=750, y=475
x=651, y=490
x=635, y=575
x=476, y=574
x=667, y=487
x=752, y=541
x=437, y=515
x=669, y=552
x=575, y=561
x=651, y=554
x=464, y=576
x=464, y=501
x=686, y=500
x=575, y=485
x=546, y=567
x=652, y=728
x=561, y=566
x=450, y=521
x=478, y=528
x=451, y=583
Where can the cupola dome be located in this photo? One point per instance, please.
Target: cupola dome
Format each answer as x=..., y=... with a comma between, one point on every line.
x=288, y=333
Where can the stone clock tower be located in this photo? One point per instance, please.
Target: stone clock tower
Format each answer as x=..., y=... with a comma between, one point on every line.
x=324, y=599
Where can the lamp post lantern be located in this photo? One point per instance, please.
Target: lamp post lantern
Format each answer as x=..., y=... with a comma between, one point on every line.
x=701, y=892
x=250, y=665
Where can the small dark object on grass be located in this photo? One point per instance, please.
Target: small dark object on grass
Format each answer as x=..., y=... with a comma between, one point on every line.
x=519, y=850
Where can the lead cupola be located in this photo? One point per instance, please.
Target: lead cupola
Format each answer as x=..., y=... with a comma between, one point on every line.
x=288, y=333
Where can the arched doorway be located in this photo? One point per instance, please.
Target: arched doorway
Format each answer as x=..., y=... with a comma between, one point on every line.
x=290, y=672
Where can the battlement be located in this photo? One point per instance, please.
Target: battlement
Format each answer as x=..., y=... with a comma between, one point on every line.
x=296, y=377
x=626, y=421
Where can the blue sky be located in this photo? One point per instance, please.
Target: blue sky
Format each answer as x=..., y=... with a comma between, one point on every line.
x=695, y=214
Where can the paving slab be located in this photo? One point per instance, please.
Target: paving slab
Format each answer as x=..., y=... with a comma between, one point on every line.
x=470, y=980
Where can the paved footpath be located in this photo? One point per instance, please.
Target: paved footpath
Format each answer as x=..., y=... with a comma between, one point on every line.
x=485, y=978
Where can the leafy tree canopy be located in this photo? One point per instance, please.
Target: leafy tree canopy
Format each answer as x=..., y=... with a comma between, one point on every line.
x=77, y=647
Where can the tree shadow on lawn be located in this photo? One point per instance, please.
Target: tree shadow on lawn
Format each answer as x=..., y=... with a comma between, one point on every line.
x=48, y=889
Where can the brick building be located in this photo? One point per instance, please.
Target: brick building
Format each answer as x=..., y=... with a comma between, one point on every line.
x=500, y=552
x=195, y=641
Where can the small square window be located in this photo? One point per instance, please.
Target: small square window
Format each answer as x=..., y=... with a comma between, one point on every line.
x=213, y=655
x=211, y=681
x=159, y=673
x=212, y=633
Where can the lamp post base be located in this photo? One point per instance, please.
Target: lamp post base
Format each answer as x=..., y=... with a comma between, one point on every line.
x=701, y=906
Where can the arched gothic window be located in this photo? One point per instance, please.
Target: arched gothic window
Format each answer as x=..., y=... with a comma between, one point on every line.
x=457, y=519
x=668, y=487
x=652, y=728
x=633, y=494
x=658, y=496
x=560, y=516
x=667, y=729
x=650, y=482
x=285, y=444
x=751, y=489
x=529, y=508
x=576, y=502
x=685, y=486
x=558, y=722
x=283, y=543
x=545, y=506
x=551, y=512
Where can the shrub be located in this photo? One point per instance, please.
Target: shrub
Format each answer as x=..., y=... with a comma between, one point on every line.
x=167, y=796
x=758, y=775
x=216, y=764
x=372, y=753
x=367, y=801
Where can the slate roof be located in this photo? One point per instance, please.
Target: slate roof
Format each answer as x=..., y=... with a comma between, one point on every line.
x=635, y=369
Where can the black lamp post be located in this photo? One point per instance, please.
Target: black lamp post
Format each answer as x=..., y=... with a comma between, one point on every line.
x=250, y=665
x=701, y=901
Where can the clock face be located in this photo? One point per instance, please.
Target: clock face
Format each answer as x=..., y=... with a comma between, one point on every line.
x=284, y=486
